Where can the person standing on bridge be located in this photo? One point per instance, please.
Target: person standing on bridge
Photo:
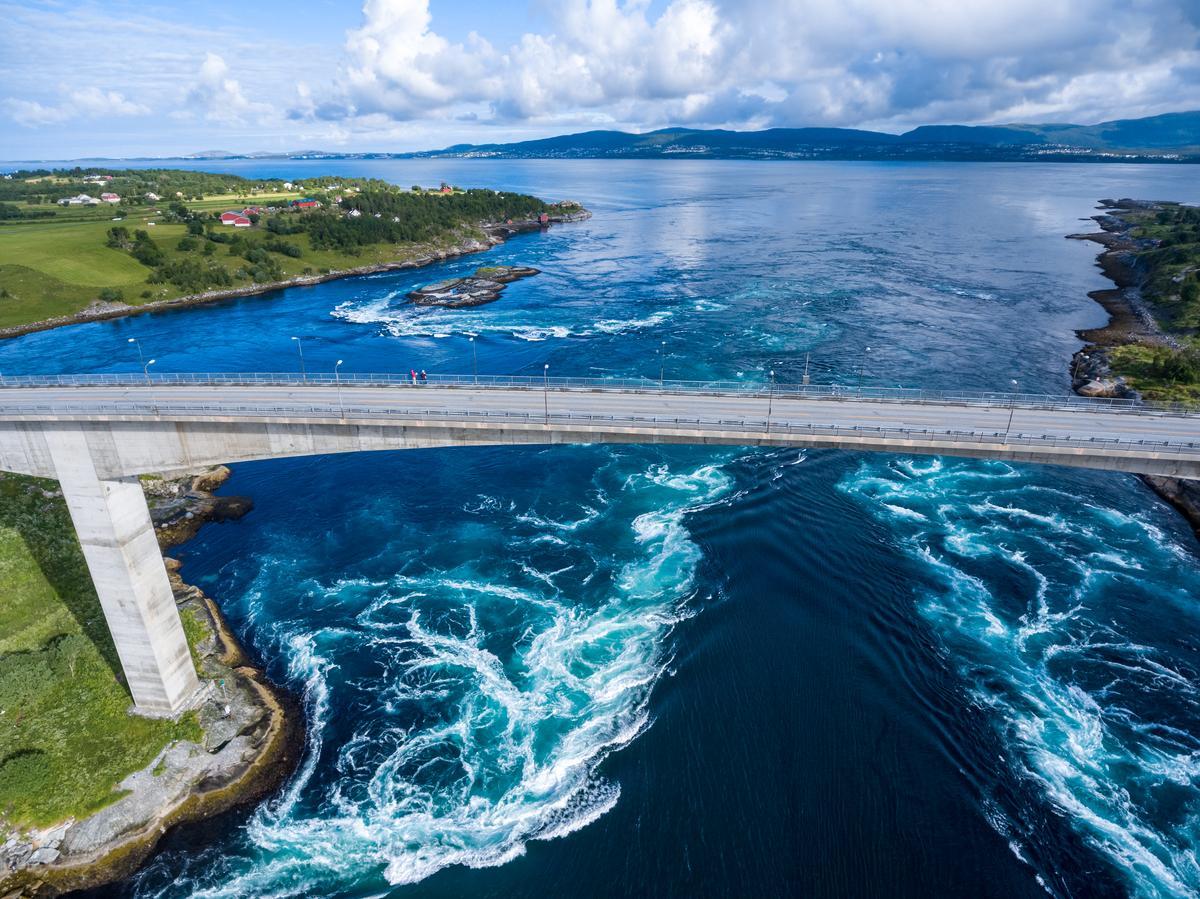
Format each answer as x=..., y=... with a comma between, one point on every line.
x=424, y=377
x=413, y=372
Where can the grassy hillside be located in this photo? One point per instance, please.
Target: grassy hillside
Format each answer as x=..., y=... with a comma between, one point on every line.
x=57, y=260
x=66, y=735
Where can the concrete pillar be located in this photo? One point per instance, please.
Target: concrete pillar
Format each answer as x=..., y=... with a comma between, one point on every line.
x=114, y=528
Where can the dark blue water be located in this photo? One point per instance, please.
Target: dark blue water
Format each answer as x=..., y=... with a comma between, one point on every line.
x=596, y=671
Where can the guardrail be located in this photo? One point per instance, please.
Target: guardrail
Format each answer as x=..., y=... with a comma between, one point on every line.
x=627, y=385
x=751, y=426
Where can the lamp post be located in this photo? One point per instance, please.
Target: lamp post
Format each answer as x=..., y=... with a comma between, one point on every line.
x=146, y=373
x=770, y=400
x=474, y=361
x=300, y=349
x=546, y=391
x=138, y=344
x=338, y=381
x=1012, y=408
x=662, y=362
x=862, y=364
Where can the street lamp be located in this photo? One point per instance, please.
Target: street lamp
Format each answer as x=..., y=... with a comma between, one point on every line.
x=300, y=349
x=146, y=372
x=861, y=365
x=770, y=400
x=1012, y=407
x=474, y=360
x=662, y=362
x=338, y=381
x=806, y=358
x=546, y=391
x=137, y=343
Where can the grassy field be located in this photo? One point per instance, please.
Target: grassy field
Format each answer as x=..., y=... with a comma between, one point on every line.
x=66, y=735
x=54, y=267
x=58, y=260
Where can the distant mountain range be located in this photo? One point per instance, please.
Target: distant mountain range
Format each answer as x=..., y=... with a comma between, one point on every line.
x=1173, y=137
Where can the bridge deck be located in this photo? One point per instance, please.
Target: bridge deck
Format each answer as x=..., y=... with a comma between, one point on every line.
x=174, y=421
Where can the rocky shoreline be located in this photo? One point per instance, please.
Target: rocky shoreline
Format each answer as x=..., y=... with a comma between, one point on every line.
x=494, y=233
x=252, y=733
x=1130, y=321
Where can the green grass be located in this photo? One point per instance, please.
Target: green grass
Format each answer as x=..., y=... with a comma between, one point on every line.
x=66, y=735
x=72, y=252
x=1136, y=363
x=57, y=267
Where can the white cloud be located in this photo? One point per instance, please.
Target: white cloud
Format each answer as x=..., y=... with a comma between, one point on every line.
x=838, y=62
x=88, y=103
x=217, y=96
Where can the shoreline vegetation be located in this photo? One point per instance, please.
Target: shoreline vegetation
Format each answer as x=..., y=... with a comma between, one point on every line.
x=236, y=746
x=84, y=245
x=1150, y=347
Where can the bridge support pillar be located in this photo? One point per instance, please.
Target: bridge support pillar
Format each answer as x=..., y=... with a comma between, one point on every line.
x=113, y=523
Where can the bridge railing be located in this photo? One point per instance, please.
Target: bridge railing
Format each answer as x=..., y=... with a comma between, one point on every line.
x=753, y=427
x=628, y=385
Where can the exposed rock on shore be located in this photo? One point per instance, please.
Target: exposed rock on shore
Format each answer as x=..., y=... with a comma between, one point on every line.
x=250, y=732
x=485, y=286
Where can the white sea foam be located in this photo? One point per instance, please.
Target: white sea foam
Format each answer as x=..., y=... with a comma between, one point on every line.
x=406, y=320
x=485, y=733
x=1090, y=749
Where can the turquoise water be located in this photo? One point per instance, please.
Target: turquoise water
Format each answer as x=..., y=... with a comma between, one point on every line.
x=597, y=671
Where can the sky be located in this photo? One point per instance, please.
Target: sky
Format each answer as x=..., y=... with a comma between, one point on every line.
x=80, y=79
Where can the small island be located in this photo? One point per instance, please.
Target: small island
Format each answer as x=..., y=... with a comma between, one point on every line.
x=485, y=286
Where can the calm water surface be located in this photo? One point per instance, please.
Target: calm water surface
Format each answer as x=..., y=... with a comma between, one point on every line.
x=599, y=671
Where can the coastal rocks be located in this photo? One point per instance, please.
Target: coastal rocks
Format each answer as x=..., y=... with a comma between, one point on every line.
x=1181, y=493
x=1092, y=376
x=485, y=286
x=179, y=507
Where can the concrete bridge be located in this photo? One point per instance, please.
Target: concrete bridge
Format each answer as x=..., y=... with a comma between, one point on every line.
x=96, y=434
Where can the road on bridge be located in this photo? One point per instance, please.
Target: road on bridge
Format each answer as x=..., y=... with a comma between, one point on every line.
x=1075, y=422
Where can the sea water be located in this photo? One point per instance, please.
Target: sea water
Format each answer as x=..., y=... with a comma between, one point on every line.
x=646, y=671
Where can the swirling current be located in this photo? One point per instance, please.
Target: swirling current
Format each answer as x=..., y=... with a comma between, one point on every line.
x=653, y=671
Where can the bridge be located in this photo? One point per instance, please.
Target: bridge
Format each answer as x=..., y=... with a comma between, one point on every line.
x=96, y=434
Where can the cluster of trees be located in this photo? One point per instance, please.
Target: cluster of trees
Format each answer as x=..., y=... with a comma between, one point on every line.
x=11, y=212
x=391, y=216
x=192, y=275
x=1178, y=366
x=48, y=185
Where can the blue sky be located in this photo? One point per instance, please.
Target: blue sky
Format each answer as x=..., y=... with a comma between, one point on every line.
x=129, y=79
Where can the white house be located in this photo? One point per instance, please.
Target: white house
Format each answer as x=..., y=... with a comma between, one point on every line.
x=79, y=200
x=152, y=196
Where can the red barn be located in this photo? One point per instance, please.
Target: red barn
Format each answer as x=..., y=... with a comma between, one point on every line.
x=236, y=219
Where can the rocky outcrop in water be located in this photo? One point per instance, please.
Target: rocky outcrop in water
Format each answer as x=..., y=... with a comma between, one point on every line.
x=485, y=286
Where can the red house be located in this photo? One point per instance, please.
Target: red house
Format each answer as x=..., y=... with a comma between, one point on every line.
x=236, y=219
x=306, y=203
